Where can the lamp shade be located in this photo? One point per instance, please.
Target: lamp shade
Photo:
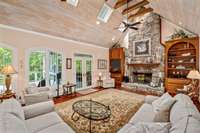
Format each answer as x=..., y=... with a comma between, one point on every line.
x=7, y=70
x=193, y=74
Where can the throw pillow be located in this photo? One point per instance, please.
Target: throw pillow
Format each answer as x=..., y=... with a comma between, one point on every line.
x=156, y=104
x=149, y=127
x=163, y=110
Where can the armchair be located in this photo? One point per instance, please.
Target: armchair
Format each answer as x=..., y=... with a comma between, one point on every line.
x=108, y=82
x=37, y=94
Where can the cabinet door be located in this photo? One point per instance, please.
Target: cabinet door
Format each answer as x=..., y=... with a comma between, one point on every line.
x=114, y=53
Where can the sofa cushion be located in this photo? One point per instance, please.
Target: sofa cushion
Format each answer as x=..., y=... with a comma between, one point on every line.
x=9, y=123
x=144, y=114
x=58, y=128
x=186, y=125
x=12, y=106
x=32, y=90
x=163, y=103
x=146, y=127
x=182, y=108
x=43, y=121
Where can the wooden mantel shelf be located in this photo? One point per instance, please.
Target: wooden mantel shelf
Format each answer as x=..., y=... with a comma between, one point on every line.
x=151, y=65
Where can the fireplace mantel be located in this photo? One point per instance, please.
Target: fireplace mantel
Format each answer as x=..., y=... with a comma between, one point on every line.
x=144, y=65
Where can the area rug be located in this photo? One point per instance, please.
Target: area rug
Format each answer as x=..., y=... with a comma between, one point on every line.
x=123, y=106
x=87, y=91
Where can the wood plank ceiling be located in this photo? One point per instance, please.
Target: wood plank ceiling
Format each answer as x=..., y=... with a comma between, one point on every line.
x=185, y=13
x=61, y=19
x=79, y=23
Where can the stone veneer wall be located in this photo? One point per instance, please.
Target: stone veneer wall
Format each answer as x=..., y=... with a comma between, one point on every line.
x=150, y=28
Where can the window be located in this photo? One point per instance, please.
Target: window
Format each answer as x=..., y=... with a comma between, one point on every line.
x=44, y=67
x=105, y=13
x=36, y=67
x=5, y=59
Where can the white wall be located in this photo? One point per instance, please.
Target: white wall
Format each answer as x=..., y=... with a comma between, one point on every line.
x=23, y=41
x=168, y=28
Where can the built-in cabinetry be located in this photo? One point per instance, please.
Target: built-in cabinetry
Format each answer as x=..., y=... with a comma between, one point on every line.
x=117, y=65
x=181, y=56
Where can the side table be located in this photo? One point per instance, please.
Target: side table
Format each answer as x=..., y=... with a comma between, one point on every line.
x=67, y=88
x=100, y=83
x=7, y=96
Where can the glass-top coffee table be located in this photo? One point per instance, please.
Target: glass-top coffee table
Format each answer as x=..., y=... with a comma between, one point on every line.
x=91, y=110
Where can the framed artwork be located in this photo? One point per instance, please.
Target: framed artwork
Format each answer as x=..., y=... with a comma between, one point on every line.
x=142, y=47
x=68, y=63
x=102, y=64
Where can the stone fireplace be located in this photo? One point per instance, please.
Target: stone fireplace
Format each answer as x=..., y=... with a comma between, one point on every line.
x=146, y=72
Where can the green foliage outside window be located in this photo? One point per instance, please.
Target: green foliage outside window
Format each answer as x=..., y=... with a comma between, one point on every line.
x=5, y=59
x=36, y=63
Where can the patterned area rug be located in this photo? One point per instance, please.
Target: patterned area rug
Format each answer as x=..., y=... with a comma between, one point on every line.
x=123, y=106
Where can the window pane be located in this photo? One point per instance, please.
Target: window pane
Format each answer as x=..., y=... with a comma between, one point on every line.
x=55, y=66
x=36, y=67
x=5, y=59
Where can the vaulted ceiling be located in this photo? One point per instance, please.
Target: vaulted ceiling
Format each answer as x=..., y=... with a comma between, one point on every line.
x=61, y=19
x=185, y=13
x=79, y=23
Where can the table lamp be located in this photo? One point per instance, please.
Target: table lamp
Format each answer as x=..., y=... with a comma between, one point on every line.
x=100, y=75
x=194, y=75
x=8, y=71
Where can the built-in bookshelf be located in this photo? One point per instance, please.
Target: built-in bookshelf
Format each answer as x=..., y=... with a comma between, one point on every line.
x=181, y=57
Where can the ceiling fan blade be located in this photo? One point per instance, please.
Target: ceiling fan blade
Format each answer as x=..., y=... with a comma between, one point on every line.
x=125, y=29
x=135, y=23
x=134, y=28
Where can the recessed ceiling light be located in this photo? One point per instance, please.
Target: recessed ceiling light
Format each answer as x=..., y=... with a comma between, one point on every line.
x=180, y=23
x=97, y=22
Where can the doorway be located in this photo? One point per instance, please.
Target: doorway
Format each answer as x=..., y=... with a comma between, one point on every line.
x=83, y=71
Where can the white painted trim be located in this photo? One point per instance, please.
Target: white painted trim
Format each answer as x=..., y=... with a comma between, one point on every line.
x=51, y=36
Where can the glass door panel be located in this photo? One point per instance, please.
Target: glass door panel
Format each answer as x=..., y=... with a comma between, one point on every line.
x=55, y=66
x=79, y=73
x=88, y=72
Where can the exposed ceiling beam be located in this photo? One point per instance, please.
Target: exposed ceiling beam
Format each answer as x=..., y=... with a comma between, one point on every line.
x=120, y=3
x=134, y=7
x=140, y=13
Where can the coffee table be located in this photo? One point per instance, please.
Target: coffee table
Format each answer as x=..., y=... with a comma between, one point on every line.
x=91, y=110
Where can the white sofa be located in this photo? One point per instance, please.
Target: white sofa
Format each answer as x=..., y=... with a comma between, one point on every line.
x=184, y=116
x=35, y=118
x=37, y=94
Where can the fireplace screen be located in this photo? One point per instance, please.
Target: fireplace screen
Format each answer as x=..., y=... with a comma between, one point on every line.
x=144, y=78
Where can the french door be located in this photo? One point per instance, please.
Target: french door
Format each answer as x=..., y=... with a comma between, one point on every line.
x=83, y=71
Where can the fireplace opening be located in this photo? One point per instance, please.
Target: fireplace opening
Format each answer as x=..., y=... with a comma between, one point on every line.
x=144, y=78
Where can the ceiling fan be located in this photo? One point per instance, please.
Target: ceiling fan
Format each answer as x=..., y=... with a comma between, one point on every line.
x=127, y=25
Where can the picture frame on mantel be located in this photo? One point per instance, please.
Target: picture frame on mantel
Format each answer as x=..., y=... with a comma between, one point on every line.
x=142, y=47
x=102, y=64
x=68, y=63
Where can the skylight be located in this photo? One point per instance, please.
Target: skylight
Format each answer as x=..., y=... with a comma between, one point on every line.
x=105, y=13
x=73, y=2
